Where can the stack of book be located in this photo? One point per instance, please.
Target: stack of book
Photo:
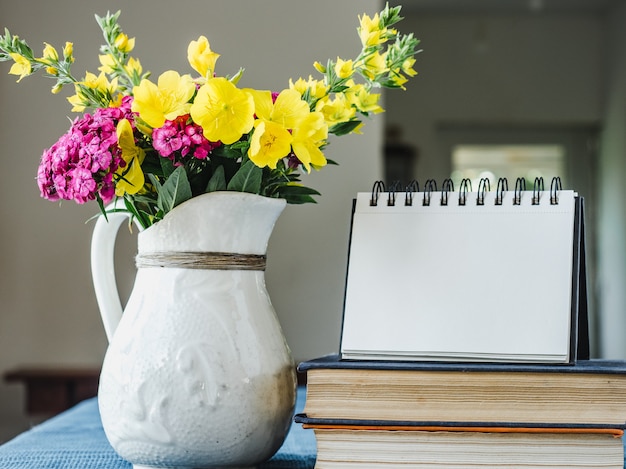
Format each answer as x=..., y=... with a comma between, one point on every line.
x=386, y=414
x=465, y=338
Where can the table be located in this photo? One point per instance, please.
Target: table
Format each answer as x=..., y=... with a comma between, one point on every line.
x=75, y=439
x=50, y=390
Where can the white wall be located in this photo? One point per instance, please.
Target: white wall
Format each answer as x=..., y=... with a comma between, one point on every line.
x=501, y=71
x=612, y=214
x=48, y=313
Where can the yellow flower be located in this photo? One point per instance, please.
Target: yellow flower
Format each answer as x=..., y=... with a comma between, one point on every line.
x=271, y=139
x=68, y=50
x=78, y=101
x=285, y=125
x=201, y=58
x=308, y=137
x=130, y=178
x=407, y=67
x=370, y=31
x=50, y=53
x=223, y=111
x=319, y=67
x=375, y=65
x=21, y=66
x=56, y=88
x=166, y=100
x=94, y=86
x=124, y=44
x=269, y=143
x=362, y=99
x=343, y=68
x=99, y=83
x=286, y=111
x=399, y=79
x=107, y=63
x=336, y=110
x=133, y=67
x=317, y=88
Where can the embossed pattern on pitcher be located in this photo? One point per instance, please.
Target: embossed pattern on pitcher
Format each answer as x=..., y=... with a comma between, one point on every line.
x=198, y=373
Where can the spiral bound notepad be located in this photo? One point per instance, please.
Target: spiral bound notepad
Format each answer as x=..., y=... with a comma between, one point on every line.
x=466, y=276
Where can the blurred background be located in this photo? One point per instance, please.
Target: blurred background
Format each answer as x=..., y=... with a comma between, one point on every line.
x=514, y=88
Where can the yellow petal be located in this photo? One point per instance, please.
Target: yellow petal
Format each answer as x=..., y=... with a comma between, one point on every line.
x=289, y=108
x=343, y=68
x=224, y=111
x=50, y=53
x=132, y=181
x=131, y=178
x=166, y=100
x=262, y=103
x=201, y=58
x=21, y=66
x=269, y=143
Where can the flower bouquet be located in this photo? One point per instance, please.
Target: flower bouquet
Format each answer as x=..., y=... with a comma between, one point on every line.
x=157, y=144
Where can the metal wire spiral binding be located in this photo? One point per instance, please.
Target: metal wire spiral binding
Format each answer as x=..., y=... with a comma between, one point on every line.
x=412, y=187
x=555, y=187
x=379, y=186
x=503, y=186
x=538, y=187
x=483, y=186
x=446, y=188
x=430, y=186
x=465, y=187
x=520, y=186
x=391, y=195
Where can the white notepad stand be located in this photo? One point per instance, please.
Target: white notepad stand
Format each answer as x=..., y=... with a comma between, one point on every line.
x=492, y=276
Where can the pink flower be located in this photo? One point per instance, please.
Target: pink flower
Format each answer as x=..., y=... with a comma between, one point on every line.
x=166, y=140
x=80, y=165
x=178, y=138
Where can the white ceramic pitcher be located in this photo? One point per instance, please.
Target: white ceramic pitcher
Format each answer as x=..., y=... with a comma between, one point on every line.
x=198, y=373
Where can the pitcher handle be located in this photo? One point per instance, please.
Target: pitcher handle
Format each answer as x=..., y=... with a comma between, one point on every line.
x=103, y=268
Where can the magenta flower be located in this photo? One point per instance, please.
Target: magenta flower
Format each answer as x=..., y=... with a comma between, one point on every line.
x=166, y=140
x=178, y=138
x=81, y=164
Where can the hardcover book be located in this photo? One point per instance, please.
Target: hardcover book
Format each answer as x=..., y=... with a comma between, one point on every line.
x=587, y=393
x=387, y=448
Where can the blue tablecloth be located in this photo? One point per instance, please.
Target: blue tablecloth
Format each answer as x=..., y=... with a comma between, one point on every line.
x=75, y=440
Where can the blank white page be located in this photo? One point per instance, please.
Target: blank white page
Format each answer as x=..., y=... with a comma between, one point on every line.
x=477, y=283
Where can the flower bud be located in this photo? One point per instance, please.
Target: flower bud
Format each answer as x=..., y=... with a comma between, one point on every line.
x=68, y=50
x=50, y=53
x=319, y=67
x=123, y=43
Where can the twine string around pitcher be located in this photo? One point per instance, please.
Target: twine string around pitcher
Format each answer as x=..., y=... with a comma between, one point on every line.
x=202, y=260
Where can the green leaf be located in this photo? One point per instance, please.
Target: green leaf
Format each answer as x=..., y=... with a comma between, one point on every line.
x=217, y=181
x=141, y=218
x=247, y=179
x=155, y=182
x=298, y=194
x=174, y=191
x=152, y=165
x=234, y=151
x=167, y=166
x=344, y=127
x=297, y=199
